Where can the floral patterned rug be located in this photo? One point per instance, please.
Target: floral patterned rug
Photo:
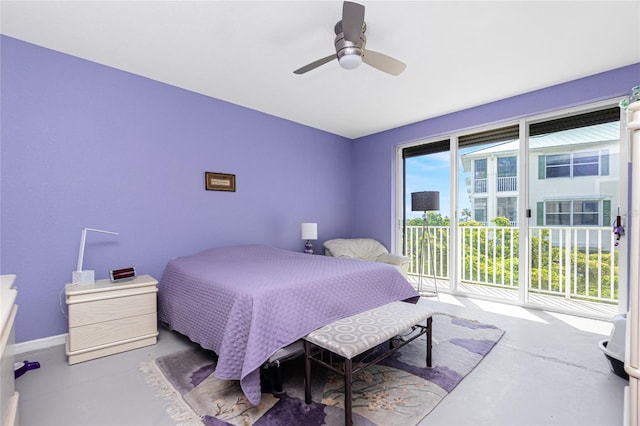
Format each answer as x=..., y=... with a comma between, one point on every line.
x=398, y=391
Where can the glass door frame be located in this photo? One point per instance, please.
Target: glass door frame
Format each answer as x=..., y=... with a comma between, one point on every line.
x=623, y=165
x=524, y=278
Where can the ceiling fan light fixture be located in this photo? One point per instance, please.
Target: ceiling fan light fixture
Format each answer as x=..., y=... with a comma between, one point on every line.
x=349, y=53
x=349, y=62
x=350, y=45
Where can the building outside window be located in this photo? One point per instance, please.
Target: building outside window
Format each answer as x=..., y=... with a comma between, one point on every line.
x=585, y=163
x=584, y=153
x=508, y=207
x=558, y=165
x=586, y=213
x=558, y=213
x=480, y=176
x=507, y=174
x=575, y=164
x=480, y=210
x=572, y=213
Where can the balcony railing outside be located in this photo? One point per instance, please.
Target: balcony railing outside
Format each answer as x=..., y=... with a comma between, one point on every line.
x=480, y=186
x=439, y=243
x=507, y=184
x=572, y=262
x=503, y=184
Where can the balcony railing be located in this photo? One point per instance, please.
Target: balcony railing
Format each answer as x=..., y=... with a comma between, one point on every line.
x=480, y=186
x=507, y=184
x=503, y=184
x=573, y=262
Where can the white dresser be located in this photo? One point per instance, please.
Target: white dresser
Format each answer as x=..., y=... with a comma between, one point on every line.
x=107, y=318
x=8, y=309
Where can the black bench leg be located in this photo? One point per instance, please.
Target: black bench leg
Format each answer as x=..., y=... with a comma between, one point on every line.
x=429, y=337
x=348, y=421
x=307, y=372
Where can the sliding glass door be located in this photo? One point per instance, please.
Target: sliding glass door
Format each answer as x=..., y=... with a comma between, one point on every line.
x=575, y=200
x=488, y=237
x=526, y=212
x=426, y=238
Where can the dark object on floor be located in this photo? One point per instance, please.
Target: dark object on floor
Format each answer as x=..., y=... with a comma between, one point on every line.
x=271, y=371
x=616, y=365
x=19, y=368
x=614, y=347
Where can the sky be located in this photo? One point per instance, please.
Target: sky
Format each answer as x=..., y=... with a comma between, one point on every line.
x=431, y=173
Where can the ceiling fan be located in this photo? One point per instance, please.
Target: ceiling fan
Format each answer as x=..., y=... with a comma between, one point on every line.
x=350, y=42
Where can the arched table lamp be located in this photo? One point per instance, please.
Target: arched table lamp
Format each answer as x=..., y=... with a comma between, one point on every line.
x=80, y=276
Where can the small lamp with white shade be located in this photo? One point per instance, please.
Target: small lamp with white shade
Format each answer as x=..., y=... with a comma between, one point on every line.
x=309, y=231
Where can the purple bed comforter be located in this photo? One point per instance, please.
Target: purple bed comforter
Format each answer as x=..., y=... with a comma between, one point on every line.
x=246, y=302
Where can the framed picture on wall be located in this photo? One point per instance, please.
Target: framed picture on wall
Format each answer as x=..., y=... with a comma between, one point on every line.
x=219, y=182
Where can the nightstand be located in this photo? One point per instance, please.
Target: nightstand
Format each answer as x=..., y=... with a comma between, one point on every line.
x=107, y=318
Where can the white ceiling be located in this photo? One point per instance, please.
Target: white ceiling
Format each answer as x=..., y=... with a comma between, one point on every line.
x=458, y=54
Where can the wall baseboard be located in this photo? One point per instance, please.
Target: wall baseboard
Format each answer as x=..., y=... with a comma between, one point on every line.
x=38, y=344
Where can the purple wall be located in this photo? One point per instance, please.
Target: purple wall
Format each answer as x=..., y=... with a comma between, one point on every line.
x=84, y=145
x=374, y=156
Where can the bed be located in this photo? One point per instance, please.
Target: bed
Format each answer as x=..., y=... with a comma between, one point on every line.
x=247, y=302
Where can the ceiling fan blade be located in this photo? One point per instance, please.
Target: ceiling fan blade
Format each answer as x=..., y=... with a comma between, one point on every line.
x=383, y=62
x=352, y=21
x=315, y=64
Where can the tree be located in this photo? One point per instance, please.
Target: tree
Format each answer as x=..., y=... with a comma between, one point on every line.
x=433, y=219
x=465, y=214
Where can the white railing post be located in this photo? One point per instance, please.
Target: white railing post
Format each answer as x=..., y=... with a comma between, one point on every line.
x=567, y=263
x=587, y=269
x=575, y=262
x=599, y=264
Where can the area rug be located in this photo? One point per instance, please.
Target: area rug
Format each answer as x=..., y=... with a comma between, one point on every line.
x=398, y=391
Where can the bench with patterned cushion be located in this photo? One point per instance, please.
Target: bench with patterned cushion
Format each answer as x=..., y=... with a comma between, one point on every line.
x=354, y=335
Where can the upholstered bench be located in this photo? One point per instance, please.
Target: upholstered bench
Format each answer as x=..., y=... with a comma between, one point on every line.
x=355, y=335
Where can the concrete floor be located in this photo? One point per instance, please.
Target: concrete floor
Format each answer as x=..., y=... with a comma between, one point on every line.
x=546, y=370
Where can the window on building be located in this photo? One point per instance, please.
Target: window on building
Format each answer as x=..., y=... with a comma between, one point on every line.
x=480, y=169
x=507, y=207
x=573, y=213
x=585, y=213
x=585, y=163
x=507, y=166
x=507, y=174
x=480, y=210
x=558, y=165
x=480, y=176
x=558, y=213
x=574, y=164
